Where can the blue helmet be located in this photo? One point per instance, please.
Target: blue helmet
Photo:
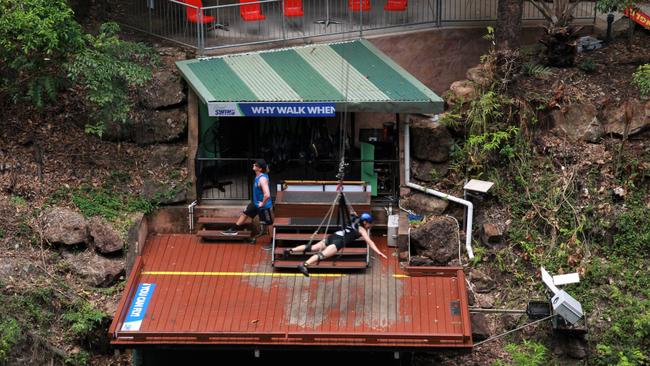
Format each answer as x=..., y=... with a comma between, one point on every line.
x=365, y=217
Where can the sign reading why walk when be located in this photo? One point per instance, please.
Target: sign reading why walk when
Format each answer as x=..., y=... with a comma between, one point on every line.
x=138, y=307
x=219, y=109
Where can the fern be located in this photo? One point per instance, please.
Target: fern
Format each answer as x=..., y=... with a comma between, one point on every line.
x=537, y=71
x=641, y=79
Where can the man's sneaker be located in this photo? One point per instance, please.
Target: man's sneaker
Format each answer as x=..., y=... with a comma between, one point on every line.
x=285, y=253
x=231, y=231
x=303, y=269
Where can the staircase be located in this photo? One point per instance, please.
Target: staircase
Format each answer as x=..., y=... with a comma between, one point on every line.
x=212, y=222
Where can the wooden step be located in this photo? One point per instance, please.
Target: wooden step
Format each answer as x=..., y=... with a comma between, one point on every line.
x=217, y=220
x=327, y=264
x=218, y=235
x=345, y=251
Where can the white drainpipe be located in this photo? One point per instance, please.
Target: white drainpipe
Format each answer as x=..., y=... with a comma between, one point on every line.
x=407, y=177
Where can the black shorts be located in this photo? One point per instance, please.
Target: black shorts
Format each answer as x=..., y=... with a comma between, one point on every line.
x=337, y=240
x=265, y=213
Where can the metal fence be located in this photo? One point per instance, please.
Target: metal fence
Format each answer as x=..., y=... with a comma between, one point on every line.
x=220, y=25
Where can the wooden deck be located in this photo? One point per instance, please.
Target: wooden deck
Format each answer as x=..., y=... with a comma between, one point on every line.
x=228, y=293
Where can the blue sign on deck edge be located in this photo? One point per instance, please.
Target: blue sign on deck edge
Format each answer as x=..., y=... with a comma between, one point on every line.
x=138, y=307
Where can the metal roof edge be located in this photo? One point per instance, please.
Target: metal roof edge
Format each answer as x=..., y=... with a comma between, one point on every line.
x=400, y=70
x=247, y=53
x=194, y=82
x=433, y=106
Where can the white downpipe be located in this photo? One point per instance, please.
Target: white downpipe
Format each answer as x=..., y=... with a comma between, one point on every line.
x=190, y=214
x=407, y=178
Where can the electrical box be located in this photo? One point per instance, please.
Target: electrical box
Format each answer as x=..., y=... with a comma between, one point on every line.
x=393, y=227
x=567, y=307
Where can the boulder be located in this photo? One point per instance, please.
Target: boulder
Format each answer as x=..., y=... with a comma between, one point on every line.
x=491, y=235
x=425, y=204
x=149, y=127
x=621, y=26
x=578, y=122
x=425, y=171
x=437, y=239
x=94, y=269
x=163, y=90
x=419, y=261
x=480, y=328
x=62, y=225
x=166, y=155
x=572, y=345
x=105, y=239
x=430, y=140
x=510, y=321
x=159, y=126
x=480, y=75
x=481, y=281
x=614, y=118
x=461, y=91
x=163, y=193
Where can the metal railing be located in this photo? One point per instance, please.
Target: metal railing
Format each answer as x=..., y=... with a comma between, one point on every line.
x=220, y=25
x=232, y=178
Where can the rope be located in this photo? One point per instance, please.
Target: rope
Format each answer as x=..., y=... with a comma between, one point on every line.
x=514, y=330
x=341, y=171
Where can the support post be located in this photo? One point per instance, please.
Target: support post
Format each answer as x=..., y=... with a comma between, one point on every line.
x=192, y=140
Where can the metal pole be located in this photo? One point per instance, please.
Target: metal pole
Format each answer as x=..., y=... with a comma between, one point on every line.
x=496, y=311
x=199, y=31
x=284, y=31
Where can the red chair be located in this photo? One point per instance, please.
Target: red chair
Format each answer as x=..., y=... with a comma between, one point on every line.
x=193, y=13
x=251, y=12
x=359, y=5
x=293, y=8
x=396, y=5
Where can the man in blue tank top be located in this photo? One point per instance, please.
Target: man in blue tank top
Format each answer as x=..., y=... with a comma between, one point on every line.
x=260, y=204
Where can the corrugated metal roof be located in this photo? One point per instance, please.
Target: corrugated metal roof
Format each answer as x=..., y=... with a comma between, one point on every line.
x=354, y=75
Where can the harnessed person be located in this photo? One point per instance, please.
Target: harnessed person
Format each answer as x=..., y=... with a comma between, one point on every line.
x=328, y=247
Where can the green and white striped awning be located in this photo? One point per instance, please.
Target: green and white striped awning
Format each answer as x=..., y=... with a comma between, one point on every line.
x=352, y=76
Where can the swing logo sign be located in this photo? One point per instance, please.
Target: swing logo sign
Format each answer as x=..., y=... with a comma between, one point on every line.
x=217, y=109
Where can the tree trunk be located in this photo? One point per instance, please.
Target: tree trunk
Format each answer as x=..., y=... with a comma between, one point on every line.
x=508, y=27
x=560, y=46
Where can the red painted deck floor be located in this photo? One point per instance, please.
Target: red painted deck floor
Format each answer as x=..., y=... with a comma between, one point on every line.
x=221, y=293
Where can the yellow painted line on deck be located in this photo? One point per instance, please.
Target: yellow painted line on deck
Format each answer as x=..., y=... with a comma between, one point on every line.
x=238, y=274
x=248, y=274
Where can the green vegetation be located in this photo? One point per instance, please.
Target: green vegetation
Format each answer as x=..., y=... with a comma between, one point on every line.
x=83, y=319
x=43, y=49
x=39, y=309
x=78, y=359
x=641, y=79
x=563, y=217
x=9, y=336
x=106, y=68
x=587, y=65
x=536, y=70
x=108, y=203
x=36, y=37
x=528, y=353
